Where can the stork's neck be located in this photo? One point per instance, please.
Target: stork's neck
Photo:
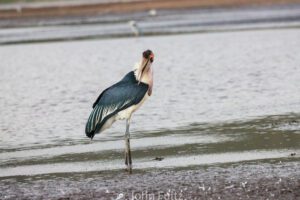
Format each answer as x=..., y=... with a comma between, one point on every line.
x=146, y=77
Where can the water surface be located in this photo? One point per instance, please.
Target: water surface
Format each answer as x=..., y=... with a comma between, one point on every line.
x=218, y=98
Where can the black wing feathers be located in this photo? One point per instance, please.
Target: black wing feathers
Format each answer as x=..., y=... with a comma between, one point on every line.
x=118, y=97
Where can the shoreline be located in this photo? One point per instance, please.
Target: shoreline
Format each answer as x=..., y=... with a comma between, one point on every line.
x=259, y=180
x=84, y=9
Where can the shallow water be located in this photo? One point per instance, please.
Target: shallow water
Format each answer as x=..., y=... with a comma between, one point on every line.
x=218, y=98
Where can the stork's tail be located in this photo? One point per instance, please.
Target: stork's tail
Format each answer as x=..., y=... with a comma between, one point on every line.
x=91, y=125
x=90, y=134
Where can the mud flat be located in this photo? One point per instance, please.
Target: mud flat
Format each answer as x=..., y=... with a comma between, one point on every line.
x=271, y=179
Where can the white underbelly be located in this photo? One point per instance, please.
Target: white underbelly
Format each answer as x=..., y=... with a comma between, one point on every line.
x=126, y=114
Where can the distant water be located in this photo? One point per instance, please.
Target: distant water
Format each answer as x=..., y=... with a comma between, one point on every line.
x=234, y=95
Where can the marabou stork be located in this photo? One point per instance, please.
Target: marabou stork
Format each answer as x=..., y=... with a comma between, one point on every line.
x=121, y=99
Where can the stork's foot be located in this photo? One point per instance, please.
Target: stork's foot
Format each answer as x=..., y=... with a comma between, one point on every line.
x=129, y=170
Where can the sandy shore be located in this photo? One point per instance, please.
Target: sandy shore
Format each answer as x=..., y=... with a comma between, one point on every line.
x=275, y=180
x=124, y=7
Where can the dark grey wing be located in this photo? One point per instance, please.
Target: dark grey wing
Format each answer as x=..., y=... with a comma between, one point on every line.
x=128, y=78
x=114, y=99
x=99, y=97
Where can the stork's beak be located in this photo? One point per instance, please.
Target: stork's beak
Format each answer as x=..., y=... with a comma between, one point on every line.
x=148, y=56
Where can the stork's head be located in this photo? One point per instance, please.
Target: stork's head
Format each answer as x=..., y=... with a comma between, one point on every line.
x=144, y=66
x=148, y=55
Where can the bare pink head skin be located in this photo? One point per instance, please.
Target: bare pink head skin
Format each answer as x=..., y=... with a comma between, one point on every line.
x=144, y=71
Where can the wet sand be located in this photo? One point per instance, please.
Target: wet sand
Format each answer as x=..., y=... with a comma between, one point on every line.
x=125, y=7
x=271, y=179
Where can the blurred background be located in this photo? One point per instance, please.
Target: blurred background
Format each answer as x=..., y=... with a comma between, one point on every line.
x=80, y=19
x=226, y=93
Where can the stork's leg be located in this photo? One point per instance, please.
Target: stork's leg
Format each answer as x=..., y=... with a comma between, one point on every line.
x=128, y=160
